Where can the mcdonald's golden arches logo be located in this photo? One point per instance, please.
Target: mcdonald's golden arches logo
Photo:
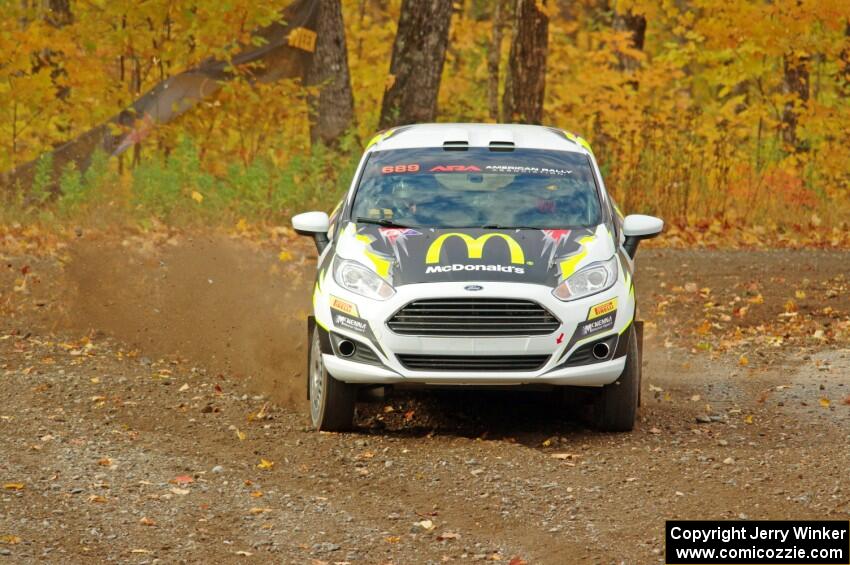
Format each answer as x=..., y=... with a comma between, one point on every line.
x=475, y=246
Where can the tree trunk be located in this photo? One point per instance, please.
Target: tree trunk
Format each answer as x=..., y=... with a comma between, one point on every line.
x=494, y=58
x=525, y=84
x=332, y=109
x=635, y=24
x=796, y=66
x=418, y=55
x=844, y=63
x=59, y=13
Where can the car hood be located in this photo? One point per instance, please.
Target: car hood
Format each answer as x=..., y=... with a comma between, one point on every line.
x=418, y=255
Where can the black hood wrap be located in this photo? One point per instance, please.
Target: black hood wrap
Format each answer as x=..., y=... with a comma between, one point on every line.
x=419, y=255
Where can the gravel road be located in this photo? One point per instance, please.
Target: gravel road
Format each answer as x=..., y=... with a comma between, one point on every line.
x=156, y=438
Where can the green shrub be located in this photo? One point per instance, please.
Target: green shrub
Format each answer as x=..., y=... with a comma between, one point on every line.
x=72, y=191
x=42, y=183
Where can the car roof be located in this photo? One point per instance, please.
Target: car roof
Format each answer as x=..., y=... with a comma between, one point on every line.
x=499, y=136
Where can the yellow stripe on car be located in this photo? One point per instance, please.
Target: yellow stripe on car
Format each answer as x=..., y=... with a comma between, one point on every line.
x=580, y=140
x=568, y=265
x=382, y=265
x=380, y=137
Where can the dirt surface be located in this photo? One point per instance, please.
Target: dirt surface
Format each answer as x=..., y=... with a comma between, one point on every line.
x=153, y=412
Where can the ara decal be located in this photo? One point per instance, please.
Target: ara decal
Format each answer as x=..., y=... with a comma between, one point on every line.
x=455, y=169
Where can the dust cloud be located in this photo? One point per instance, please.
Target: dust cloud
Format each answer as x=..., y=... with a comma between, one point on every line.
x=221, y=303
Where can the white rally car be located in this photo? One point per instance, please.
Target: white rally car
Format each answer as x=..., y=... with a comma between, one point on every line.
x=475, y=254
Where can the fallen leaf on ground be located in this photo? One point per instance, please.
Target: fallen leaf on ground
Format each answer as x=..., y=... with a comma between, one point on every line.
x=10, y=540
x=240, y=435
x=748, y=419
x=265, y=464
x=256, y=494
x=258, y=510
x=824, y=402
x=261, y=414
x=564, y=456
x=145, y=521
x=97, y=498
x=743, y=361
x=14, y=486
x=105, y=462
x=182, y=480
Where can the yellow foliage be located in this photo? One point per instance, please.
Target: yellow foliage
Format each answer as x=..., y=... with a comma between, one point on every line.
x=694, y=127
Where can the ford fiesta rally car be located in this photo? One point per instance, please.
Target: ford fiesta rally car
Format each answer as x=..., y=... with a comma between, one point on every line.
x=475, y=254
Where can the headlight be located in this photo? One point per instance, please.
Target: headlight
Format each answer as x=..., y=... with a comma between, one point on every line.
x=355, y=277
x=590, y=280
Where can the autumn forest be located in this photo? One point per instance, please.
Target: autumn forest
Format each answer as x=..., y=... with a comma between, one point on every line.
x=697, y=110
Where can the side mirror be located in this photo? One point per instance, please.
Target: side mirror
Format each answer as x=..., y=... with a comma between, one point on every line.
x=314, y=224
x=637, y=227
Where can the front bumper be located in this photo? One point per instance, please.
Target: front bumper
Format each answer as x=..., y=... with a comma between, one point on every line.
x=558, y=346
x=596, y=374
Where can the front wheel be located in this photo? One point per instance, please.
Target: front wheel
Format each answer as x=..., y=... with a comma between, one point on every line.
x=331, y=401
x=615, y=408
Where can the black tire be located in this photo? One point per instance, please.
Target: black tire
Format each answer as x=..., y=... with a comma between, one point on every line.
x=331, y=401
x=616, y=405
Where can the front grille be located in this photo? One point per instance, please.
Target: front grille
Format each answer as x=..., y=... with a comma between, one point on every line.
x=473, y=362
x=473, y=317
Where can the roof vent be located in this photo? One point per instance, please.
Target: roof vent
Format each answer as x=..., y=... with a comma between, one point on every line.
x=502, y=146
x=455, y=145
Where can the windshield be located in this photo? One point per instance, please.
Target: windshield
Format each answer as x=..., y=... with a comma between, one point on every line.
x=432, y=187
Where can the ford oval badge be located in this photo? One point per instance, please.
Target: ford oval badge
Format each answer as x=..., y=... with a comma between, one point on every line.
x=473, y=287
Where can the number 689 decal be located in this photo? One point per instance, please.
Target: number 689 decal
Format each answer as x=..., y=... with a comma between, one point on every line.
x=409, y=168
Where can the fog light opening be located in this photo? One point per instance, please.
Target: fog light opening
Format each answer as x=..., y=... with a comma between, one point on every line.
x=346, y=348
x=601, y=350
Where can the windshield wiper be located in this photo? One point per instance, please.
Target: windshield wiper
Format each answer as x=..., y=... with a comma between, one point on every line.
x=501, y=227
x=381, y=222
